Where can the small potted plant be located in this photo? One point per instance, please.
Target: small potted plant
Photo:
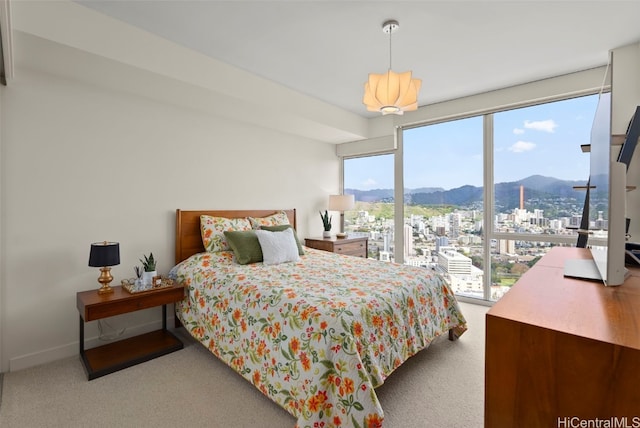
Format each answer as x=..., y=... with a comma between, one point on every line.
x=326, y=223
x=149, y=267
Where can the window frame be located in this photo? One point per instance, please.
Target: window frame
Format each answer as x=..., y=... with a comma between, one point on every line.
x=488, y=178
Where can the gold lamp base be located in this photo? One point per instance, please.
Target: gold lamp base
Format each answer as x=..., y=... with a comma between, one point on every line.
x=105, y=279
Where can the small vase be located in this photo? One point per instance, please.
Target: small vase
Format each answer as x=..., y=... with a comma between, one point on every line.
x=147, y=277
x=326, y=234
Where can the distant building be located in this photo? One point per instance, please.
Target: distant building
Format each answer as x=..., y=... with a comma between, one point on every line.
x=441, y=241
x=386, y=239
x=417, y=262
x=600, y=223
x=454, y=225
x=506, y=246
x=408, y=241
x=454, y=263
x=385, y=256
x=575, y=221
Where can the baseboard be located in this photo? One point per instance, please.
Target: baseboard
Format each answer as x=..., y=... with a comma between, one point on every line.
x=73, y=349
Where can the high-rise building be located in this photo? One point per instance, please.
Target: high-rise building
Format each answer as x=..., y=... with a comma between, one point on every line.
x=454, y=225
x=506, y=246
x=454, y=263
x=408, y=241
x=441, y=241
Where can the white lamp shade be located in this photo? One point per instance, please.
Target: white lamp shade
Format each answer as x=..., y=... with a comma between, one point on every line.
x=341, y=202
x=391, y=93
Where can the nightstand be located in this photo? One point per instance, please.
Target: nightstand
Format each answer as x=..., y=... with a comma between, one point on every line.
x=114, y=356
x=351, y=246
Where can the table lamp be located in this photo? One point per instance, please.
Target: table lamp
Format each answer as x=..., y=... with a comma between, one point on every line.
x=341, y=203
x=104, y=255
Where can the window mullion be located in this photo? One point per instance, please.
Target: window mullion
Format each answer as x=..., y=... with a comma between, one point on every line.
x=398, y=206
x=489, y=197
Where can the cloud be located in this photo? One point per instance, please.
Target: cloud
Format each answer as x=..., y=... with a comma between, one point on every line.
x=518, y=131
x=522, y=146
x=369, y=182
x=548, y=125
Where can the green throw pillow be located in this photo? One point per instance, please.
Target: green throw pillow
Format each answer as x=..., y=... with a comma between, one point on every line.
x=282, y=227
x=245, y=246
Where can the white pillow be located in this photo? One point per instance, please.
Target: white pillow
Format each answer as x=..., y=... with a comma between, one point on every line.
x=278, y=247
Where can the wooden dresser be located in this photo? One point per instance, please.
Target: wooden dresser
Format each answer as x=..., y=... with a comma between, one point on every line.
x=560, y=351
x=351, y=246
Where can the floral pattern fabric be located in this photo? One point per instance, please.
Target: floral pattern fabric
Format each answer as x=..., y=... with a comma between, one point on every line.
x=316, y=336
x=277, y=219
x=212, y=230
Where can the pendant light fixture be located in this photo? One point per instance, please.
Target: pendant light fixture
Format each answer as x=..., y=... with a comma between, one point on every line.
x=391, y=92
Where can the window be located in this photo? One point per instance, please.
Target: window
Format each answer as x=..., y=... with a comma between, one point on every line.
x=537, y=161
x=443, y=178
x=371, y=180
x=526, y=161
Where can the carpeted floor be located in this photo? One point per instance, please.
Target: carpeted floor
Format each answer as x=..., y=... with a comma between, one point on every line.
x=442, y=386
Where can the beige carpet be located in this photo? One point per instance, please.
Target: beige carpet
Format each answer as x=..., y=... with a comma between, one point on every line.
x=442, y=386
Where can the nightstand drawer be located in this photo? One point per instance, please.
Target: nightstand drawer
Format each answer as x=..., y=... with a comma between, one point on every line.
x=92, y=306
x=351, y=248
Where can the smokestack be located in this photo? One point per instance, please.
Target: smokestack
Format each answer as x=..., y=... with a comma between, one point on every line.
x=521, y=197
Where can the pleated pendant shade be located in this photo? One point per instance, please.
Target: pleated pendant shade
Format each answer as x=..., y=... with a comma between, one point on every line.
x=391, y=92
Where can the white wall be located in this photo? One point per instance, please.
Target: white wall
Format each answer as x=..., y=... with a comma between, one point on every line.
x=239, y=95
x=84, y=163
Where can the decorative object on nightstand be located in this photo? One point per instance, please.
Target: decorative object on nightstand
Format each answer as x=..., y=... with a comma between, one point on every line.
x=134, y=286
x=104, y=255
x=149, y=267
x=341, y=203
x=326, y=223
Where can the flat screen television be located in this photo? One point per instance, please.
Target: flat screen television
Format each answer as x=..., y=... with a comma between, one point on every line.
x=607, y=207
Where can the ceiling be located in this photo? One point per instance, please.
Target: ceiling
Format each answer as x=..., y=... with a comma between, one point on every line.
x=325, y=49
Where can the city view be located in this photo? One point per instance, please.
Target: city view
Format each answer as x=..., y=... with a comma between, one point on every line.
x=448, y=238
x=537, y=161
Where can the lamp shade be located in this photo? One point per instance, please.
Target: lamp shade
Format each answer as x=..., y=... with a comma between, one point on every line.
x=391, y=93
x=341, y=202
x=104, y=254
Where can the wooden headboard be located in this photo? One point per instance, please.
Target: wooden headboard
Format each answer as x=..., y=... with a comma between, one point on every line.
x=188, y=237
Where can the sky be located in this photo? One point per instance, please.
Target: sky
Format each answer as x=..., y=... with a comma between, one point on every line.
x=538, y=140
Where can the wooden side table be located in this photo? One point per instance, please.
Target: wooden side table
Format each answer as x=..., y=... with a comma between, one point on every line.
x=114, y=356
x=351, y=246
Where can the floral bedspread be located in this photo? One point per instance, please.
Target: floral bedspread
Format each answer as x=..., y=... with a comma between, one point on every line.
x=319, y=335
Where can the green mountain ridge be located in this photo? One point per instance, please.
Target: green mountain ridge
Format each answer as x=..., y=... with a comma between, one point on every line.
x=507, y=195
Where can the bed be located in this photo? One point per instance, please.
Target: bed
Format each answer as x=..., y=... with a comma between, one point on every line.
x=316, y=335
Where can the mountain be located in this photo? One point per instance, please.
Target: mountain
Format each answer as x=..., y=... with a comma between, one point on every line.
x=507, y=195
x=374, y=195
x=386, y=195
